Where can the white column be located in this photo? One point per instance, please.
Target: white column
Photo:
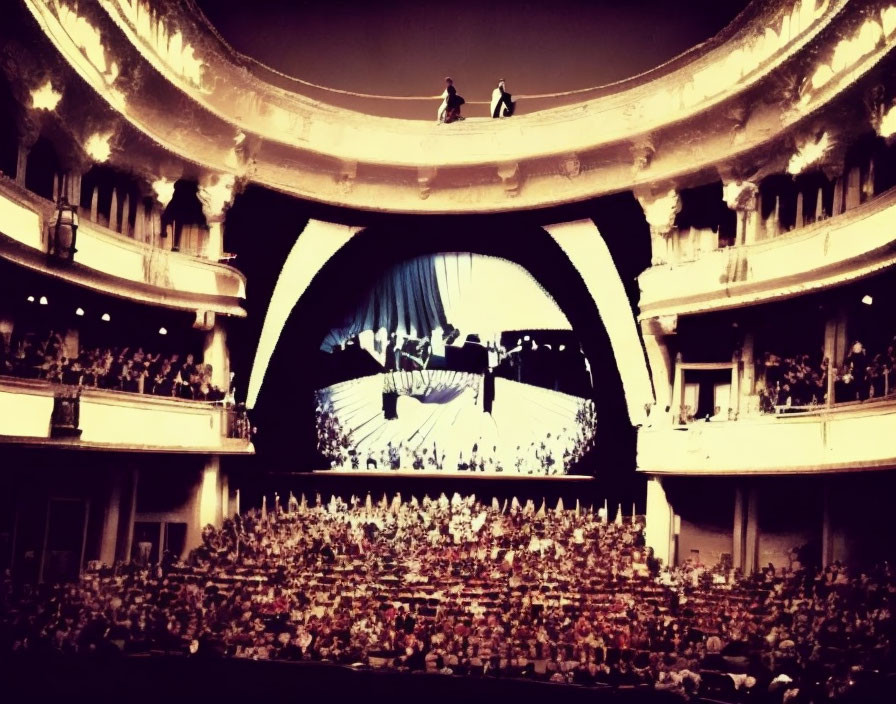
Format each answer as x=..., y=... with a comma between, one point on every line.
x=205, y=502
x=853, y=196
x=216, y=192
x=215, y=352
x=210, y=493
x=660, y=211
x=111, y=518
x=113, y=211
x=659, y=521
x=657, y=333
x=215, y=246
x=677, y=389
x=743, y=198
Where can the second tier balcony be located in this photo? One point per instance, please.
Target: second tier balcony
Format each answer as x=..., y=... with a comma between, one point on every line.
x=854, y=436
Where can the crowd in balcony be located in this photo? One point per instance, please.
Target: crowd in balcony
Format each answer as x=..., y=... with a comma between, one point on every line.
x=460, y=587
x=802, y=380
x=130, y=369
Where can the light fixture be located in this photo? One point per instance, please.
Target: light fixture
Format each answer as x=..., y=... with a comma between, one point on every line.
x=43, y=300
x=65, y=231
x=106, y=317
x=31, y=299
x=79, y=311
x=867, y=300
x=163, y=331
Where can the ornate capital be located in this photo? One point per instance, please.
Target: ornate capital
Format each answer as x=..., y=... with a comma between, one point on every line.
x=570, y=165
x=740, y=195
x=643, y=150
x=348, y=172
x=660, y=210
x=510, y=177
x=216, y=193
x=425, y=176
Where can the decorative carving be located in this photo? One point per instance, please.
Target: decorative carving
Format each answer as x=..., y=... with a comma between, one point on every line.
x=425, y=176
x=570, y=166
x=660, y=211
x=643, y=150
x=216, y=193
x=787, y=89
x=737, y=116
x=510, y=176
x=348, y=172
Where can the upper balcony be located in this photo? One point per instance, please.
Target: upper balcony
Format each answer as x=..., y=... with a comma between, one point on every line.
x=171, y=78
x=114, y=420
x=112, y=263
x=829, y=252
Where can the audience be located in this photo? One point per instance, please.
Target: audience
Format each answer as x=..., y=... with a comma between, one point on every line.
x=803, y=381
x=114, y=368
x=458, y=587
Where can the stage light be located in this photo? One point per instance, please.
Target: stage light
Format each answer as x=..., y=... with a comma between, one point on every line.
x=163, y=331
x=30, y=299
x=79, y=311
x=106, y=317
x=867, y=300
x=43, y=300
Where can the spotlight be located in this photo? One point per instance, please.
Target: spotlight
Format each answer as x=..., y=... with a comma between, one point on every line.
x=79, y=311
x=106, y=317
x=31, y=299
x=867, y=300
x=43, y=300
x=163, y=331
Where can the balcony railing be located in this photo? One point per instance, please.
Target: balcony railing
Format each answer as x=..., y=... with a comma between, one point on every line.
x=843, y=437
x=118, y=420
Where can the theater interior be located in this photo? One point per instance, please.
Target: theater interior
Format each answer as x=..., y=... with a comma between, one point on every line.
x=316, y=380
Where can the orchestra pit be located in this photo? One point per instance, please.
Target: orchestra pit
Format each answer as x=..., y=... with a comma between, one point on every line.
x=435, y=353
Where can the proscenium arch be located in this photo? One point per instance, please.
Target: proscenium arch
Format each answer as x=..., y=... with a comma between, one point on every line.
x=349, y=266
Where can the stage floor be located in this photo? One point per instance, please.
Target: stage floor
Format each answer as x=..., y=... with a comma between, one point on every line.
x=450, y=474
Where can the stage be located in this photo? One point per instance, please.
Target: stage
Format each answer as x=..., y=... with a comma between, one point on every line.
x=452, y=474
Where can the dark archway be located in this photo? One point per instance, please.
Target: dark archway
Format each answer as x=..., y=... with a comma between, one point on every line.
x=285, y=410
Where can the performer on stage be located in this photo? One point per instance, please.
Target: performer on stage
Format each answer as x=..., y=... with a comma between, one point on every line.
x=449, y=110
x=502, y=103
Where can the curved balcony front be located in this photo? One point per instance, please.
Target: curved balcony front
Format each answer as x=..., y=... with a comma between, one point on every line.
x=109, y=262
x=711, y=108
x=850, y=246
x=853, y=437
x=113, y=420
